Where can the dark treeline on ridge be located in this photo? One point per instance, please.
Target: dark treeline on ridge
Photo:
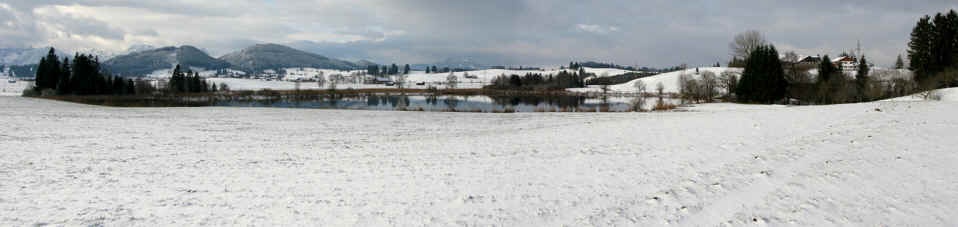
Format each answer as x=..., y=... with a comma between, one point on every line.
x=933, y=51
x=561, y=80
x=188, y=82
x=81, y=76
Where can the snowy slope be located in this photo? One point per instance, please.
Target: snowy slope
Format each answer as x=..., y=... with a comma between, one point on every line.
x=946, y=94
x=13, y=89
x=484, y=77
x=669, y=81
x=724, y=164
x=255, y=85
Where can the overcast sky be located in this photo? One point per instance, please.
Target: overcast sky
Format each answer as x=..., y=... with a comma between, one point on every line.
x=530, y=32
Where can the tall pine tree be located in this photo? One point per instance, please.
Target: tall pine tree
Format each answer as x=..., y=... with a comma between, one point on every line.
x=919, y=48
x=861, y=79
x=63, y=86
x=899, y=63
x=763, y=80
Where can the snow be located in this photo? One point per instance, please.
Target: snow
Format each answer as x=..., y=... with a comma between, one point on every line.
x=13, y=89
x=874, y=73
x=293, y=74
x=945, y=94
x=237, y=84
x=870, y=164
x=669, y=81
x=485, y=77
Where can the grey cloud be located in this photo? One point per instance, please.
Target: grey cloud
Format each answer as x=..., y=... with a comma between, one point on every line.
x=645, y=32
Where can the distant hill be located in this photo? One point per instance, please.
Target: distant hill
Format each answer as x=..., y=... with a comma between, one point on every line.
x=27, y=56
x=273, y=56
x=144, y=62
x=592, y=64
x=364, y=63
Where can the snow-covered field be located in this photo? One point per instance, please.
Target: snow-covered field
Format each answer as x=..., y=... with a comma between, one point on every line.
x=871, y=164
x=947, y=94
x=669, y=81
x=13, y=89
x=254, y=85
x=482, y=78
x=485, y=77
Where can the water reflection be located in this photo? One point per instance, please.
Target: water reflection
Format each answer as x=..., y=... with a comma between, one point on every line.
x=459, y=103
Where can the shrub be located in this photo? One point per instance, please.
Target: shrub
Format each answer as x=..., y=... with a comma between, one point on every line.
x=30, y=92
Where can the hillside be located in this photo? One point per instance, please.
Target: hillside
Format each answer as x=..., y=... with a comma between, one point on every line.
x=670, y=80
x=26, y=56
x=273, y=56
x=485, y=76
x=146, y=62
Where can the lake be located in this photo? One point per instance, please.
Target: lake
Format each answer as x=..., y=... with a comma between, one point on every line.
x=458, y=103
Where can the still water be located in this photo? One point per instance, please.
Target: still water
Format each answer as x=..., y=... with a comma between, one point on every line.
x=477, y=103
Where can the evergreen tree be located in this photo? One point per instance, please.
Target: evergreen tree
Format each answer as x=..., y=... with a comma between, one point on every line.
x=899, y=63
x=176, y=80
x=48, y=71
x=861, y=79
x=394, y=69
x=428, y=70
x=763, y=80
x=952, y=21
x=405, y=69
x=63, y=86
x=130, y=87
x=826, y=69
x=41, y=75
x=919, y=48
x=372, y=70
x=943, y=44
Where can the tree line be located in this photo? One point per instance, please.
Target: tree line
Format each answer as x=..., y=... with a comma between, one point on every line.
x=84, y=75
x=188, y=82
x=81, y=76
x=561, y=80
x=932, y=55
x=385, y=70
x=933, y=51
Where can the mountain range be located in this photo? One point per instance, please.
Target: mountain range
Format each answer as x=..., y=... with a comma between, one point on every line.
x=274, y=56
x=148, y=61
x=143, y=60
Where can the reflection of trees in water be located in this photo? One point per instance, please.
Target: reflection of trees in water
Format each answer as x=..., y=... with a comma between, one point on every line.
x=398, y=101
x=372, y=100
x=333, y=101
x=451, y=102
x=432, y=100
x=557, y=101
x=381, y=101
x=638, y=104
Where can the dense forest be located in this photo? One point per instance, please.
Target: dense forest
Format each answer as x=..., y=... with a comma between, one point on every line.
x=562, y=80
x=81, y=76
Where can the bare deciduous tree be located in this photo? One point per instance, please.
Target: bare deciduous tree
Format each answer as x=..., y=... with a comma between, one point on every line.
x=451, y=81
x=790, y=57
x=639, y=87
x=728, y=80
x=709, y=85
x=744, y=43
x=400, y=81
x=660, y=88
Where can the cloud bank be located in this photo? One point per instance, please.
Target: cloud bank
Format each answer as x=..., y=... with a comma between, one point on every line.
x=642, y=32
